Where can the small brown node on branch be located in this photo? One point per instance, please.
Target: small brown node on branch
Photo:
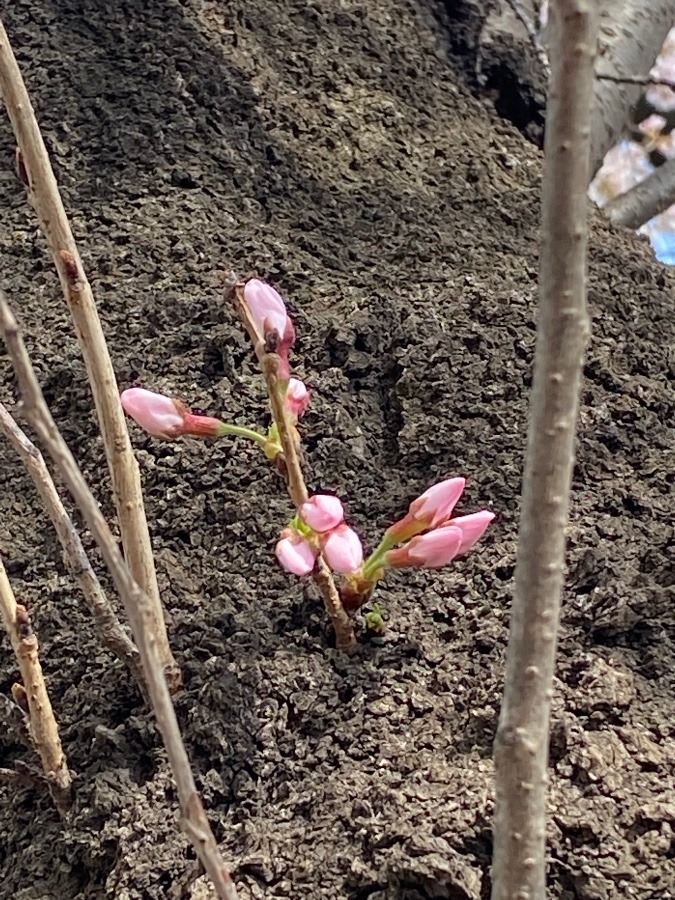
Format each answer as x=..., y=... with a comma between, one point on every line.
x=272, y=341
x=72, y=270
x=21, y=170
x=20, y=697
x=280, y=464
x=23, y=626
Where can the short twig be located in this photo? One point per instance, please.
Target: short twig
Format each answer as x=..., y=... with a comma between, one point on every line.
x=635, y=79
x=44, y=731
x=297, y=489
x=109, y=627
x=36, y=171
x=138, y=606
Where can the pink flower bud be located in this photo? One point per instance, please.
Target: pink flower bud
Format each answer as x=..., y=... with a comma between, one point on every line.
x=431, y=550
x=322, y=512
x=268, y=312
x=435, y=505
x=439, y=547
x=429, y=510
x=343, y=551
x=297, y=397
x=295, y=554
x=160, y=416
x=164, y=417
x=265, y=307
x=472, y=527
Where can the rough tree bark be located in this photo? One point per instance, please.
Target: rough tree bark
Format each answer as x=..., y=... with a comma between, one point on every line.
x=521, y=744
x=509, y=58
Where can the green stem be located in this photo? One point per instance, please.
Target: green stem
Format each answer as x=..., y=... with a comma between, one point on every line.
x=376, y=559
x=240, y=431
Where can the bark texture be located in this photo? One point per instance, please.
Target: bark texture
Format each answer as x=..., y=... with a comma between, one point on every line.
x=521, y=745
x=508, y=58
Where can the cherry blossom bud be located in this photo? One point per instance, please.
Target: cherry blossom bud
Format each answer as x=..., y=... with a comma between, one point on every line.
x=342, y=550
x=439, y=547
x=322, y=512
x=268, y=312
x=160, y=416
x=473, y=528
x=429, y=510
x=166, y=418
x=297, y=397
x=435, y=505
x=266, y=307
x=431, y=550
x=295, y=554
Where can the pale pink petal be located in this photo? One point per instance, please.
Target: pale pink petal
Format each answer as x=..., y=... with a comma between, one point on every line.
x=266, y=308
x=343, y=551
x=297, y=397
x=435, y=505
x=322, y=512
x=472, y=527
x=296, y=555
x=160, y=416
x=431, y=550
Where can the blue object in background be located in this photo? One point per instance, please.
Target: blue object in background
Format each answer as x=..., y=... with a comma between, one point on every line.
x=663, y=245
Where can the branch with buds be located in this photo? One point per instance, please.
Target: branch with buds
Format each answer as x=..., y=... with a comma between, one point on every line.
x=317, y=541
x=32, y=696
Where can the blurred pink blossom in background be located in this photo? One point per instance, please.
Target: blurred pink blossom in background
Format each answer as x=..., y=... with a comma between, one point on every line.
x=659, y=95
x=624, y=166
x=628, y=163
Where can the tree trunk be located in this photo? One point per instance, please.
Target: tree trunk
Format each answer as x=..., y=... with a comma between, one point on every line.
x=501, y=42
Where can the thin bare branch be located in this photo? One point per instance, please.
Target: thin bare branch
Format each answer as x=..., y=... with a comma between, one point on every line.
x=647, y=199
x=297, y=489
x=35, y=168
x=110, y=630
x=42, y=725
x=521, y=744
x=635, y=79
x=138, y=606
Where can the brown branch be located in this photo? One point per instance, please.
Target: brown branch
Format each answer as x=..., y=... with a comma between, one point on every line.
x=521, y=743
x=44, y=731
x=297, y=489
x=138, y=606
x=647, y=199
x=33, y=163
x=635, y=79
x=109, y=628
